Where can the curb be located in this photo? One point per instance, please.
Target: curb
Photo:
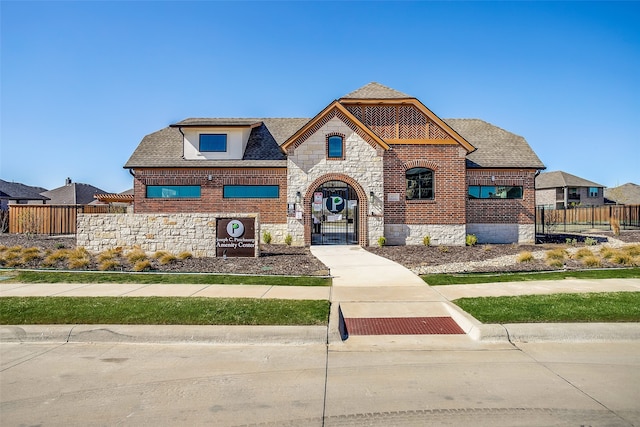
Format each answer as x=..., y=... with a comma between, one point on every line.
x=542, y=332
x=163, y=334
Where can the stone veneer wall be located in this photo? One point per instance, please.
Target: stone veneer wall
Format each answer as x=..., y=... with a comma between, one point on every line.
x=193, y=232
x=503, y=233
x=413, y=234
x=362, y=163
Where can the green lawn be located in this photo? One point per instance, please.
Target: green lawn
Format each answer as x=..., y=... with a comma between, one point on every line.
x=556, y=308
x=161, y=311
x=169, y=278
x=473, y=278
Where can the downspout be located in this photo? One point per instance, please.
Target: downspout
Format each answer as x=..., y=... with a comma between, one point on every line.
x=180, y=129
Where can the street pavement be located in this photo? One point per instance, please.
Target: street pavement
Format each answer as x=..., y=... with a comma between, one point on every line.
x=494, y=375
x=475, y=383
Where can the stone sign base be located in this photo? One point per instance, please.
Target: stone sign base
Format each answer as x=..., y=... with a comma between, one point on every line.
x=175, y=233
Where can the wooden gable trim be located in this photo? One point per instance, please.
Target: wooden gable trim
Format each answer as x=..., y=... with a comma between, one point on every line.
x=455, y=136
x=335, y=109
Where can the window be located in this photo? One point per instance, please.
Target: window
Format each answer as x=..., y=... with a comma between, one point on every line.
x=573, y=193
x=593, y=191
x=495, y=192
x=335, y=147
x=251, y=192
x=173, y=191
x=419, y=184
x=213, y=142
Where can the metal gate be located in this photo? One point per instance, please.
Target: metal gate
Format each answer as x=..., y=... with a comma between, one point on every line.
x=334, y=211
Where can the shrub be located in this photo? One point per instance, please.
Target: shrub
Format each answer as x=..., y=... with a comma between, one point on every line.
x=160, y=254
x=426, y=240
x=54, y=257
x=607, y=252
x=622, y=258
x=591, y=261
x=443, y=249
x=30, y=254
x=571, y=242
x=488, y=248
x=166, y=258
x=589, y=241
x=185, y=255
x=266, y=237
x=557, y=254
x=136, y=255
x=471, y=239
x=583, y=253
x=633, y=250
x=142, y=265
x=108, y=255
x=288, y=239
x=75, y=263
x=525, y=256
x=109, y=264
x=558, y=263
x=382, y=241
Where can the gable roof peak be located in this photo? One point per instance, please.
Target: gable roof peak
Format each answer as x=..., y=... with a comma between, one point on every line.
x=375, y=90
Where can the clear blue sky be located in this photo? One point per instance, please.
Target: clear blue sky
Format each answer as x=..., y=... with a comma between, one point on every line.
x=83, y=82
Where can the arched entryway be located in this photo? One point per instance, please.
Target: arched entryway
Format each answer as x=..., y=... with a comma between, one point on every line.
x=335, y=212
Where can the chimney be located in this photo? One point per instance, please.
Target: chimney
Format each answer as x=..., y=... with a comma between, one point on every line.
x=67, y=181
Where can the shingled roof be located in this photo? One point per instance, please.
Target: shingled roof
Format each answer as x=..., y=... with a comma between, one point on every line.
x=495, y=147
x=72, y=193
x=626, y=194
x=559, y=179
x=18, y=191
x=375, y=90
x=164, y=147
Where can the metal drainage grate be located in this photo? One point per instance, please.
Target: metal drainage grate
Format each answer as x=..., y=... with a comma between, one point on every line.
x=402, y=326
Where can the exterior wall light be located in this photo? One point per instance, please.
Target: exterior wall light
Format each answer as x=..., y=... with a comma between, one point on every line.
x=372, y=197
x=298, y=197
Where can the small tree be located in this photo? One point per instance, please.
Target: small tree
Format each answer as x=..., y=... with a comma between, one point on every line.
x=29, y=222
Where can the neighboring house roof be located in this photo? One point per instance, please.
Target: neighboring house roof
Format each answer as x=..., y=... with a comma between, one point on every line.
x=72, y=194
x=495, y=147
x=17, y=191
x=375, y=90
x=560, y=179
x=626, y=194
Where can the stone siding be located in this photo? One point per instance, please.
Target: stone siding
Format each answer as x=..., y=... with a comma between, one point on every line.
x=503, y=233
x=308, y=164
x=413, y=234
x=192, y=232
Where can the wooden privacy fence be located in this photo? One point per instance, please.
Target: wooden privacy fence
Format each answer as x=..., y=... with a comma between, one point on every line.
x=586, y=218
x=48, y=219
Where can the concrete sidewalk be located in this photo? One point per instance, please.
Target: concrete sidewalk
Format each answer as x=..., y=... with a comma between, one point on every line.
x=364, y=286
x=163, y=290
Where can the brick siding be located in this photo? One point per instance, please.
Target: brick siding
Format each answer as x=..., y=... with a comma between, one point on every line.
x=449, y=202
x=211, y=201
x=502, y=211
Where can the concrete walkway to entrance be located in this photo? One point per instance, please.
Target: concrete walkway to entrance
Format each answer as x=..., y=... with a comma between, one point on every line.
x=368, y=286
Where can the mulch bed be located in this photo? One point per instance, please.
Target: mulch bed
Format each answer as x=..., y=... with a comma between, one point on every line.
x=298, y=261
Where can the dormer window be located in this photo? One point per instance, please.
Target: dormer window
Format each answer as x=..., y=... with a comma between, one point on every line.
x=213, y=142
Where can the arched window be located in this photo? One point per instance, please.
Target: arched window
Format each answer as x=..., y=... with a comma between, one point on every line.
x=419, y=184
x=335, y=147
